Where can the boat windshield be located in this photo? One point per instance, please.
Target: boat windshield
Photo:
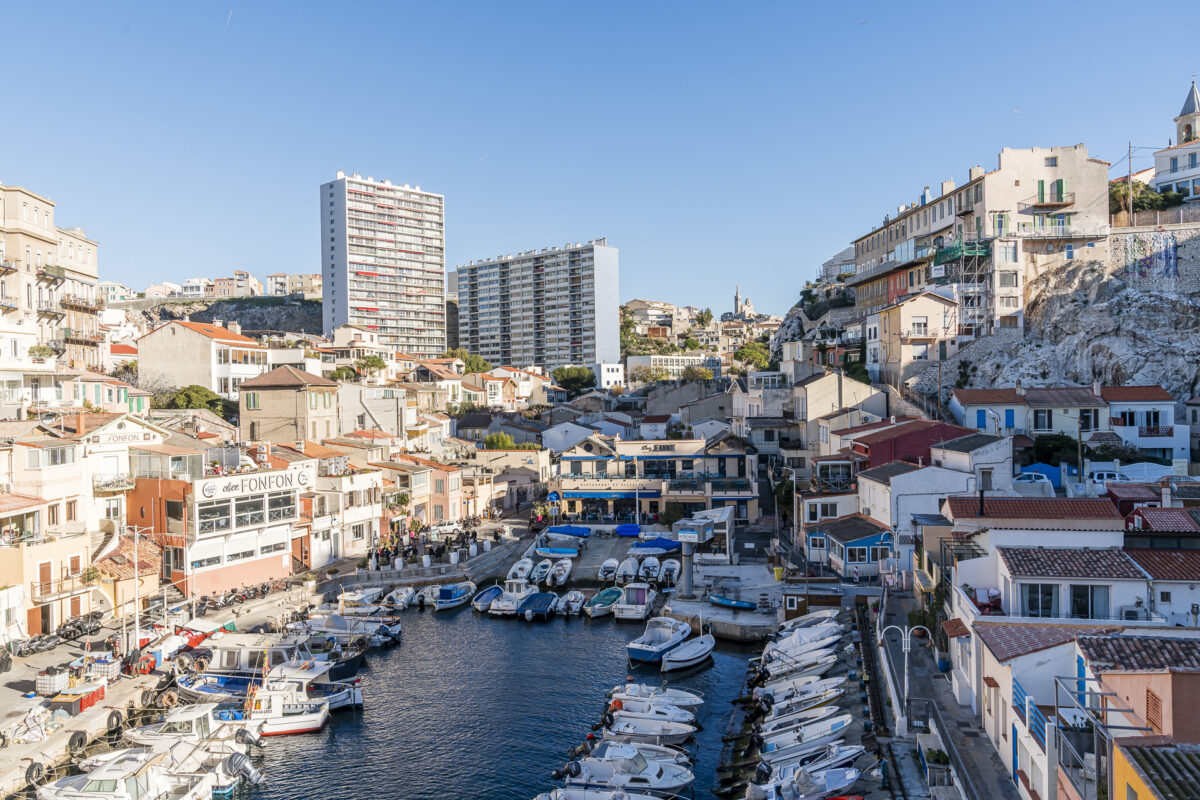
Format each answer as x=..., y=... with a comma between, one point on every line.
x=637, y=763
x=100, y=787
x=178, y=726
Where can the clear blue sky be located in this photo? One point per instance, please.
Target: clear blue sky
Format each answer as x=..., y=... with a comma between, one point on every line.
x=713, y=144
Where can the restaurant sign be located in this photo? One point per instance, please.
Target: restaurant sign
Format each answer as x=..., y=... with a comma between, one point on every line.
x=297, y=478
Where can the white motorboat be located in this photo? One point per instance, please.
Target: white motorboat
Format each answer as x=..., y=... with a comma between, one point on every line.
x=823, y=731
x=649, y=709
x=309, y=677
x=801, y=637
x=608, y=570
x=691, y=653
x=516, y=591
x=132, y=774
x=365, y=596
x=803, y=785
x=650, y=569
x=820, y=617
x=670, y=572
x=427, y=596
x=616, y=748
x=789, y=689
x=784, y=685
x=586, y=793
x=649, y=731
x=346, y=630
x=802, y=719
x=223, y=759
x=637, y=600
x=453, y=596
x=283, y=709
x=635, y=772
x=816, y=662
x=791, y=715
x=559, y=573
x=828, y=756
x=627, y=571
x=661, y=635
x=643, y=691
x=787, y=649
x=541, y=572
x=571, y=603
x=194, y=723
x=398, y=598
x=521, y=569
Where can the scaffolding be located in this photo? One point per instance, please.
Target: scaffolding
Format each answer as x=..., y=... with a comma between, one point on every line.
x=968, y=262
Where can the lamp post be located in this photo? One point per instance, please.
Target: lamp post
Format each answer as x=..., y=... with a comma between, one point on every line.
x=905, y=647
x=137, y=580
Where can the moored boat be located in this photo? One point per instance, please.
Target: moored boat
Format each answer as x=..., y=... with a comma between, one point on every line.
x=669, y=574
x=729, y=602
x=691, y=653
x=521, y=569
x=560, y=572
x=649, y=731
x=484, y=599
x=453, y=596
x=571, y=603
x=555, y=552
x=624, y=773
x=627, y=571
x=661, y=635
x=601, y=604
x=541, y=572
x=538, y=607
x=608, y=570
x=649, y=569
x=398, y=598
x=642, y=691
x=637, y=600
x=516, y=590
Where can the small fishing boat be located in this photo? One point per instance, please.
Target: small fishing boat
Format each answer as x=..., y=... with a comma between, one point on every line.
x=627, y=773
x=820, y=617
x=783, y=715
x=805, y=636
x=637, y=600
x=483, y=600
x=521, y=569
x=648, y=709
x=586, y=793
x=669, y=574
x=283, y=710
x=312, y=678
x=538, y=607
x=649, y=731
x=659, y=546
x=362, y=597
x=542, y=571
x=689, y=654
x=628, y=530
x=618, y=748
x=560, y=572
x=516, y=590
x=601, y=604
x=823, y=731
x=426, y=596
x=729, y=602
x=788, y=689
x=573, y=531
x=661, y=634
x=224, y=760
x=627, y=571
x=643, y=691
x=816, y=662
x=132, y=774
x=571, y=603
x=453, y=596
x=347, y=630
x=804, y=785
x=555, y=552
x=398, y=598
x=825, y=757
x=608, y=570
x=193, y=723
x=802, y=719
x=649, y=569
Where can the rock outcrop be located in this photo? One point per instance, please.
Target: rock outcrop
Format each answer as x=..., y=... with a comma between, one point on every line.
x=282, y=314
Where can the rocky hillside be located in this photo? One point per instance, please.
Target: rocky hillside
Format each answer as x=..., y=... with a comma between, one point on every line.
x=1131, y=319
x=252, y=313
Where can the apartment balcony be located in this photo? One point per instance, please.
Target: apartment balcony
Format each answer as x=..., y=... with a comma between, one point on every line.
x=44, y=591
x=52, y=274
x=1156, y=431
x=77, y=336
x=990, y=605
x=1060, y=232
x=7, y=304
x=112, y=484
x=918, y=334
x=80, y=302
x=6, y=267
x=791, y=444
x=45, y=309
x=1047, y=200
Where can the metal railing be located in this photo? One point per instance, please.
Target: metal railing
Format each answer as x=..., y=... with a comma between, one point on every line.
x=113, y=483
x=48, y=590
x=55, y=273
x=79, y=301
x=1051, y=199
x=1156, y=431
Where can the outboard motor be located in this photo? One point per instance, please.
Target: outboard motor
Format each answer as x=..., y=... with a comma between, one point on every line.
x=240, y=764
x=248, y=738
x=573, y=769
x=758, y=740
x=763, y=772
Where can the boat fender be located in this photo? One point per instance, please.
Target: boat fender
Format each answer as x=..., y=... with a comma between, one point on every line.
x=573, y=769
x=115, y=720
x=77, y=743
x=359, y=643
x=34, y=773
x=246, y=737
x=168, y=699
x=240, y=764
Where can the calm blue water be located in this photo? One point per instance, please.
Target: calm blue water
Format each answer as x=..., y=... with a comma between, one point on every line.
x=470, y=706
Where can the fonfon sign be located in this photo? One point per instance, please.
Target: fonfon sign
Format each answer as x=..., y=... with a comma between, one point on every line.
x=256, y=483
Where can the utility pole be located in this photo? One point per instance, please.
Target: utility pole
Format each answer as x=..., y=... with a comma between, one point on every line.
x=1079, y=445
x=1129, y=185
x=939, y=387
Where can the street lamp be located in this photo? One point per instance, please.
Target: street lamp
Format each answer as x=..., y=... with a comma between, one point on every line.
x=905, y=647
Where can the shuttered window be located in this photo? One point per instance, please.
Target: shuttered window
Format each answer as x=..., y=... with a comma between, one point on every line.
x=1154, y=711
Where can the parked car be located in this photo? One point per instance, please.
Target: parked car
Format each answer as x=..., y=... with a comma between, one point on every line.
x=446, y=528
x=1099, y=478
x=1033, y=484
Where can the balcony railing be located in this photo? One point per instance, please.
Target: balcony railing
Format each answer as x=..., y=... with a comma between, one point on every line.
x=1004, y=612
x=80, y=336
x=50, y=309
x=1047, y=200
x=51, y=273
x=1156, y=431
x=79, y=301
x=8, y=304
x=41, y=591
x=108, y=484
x=7, y=267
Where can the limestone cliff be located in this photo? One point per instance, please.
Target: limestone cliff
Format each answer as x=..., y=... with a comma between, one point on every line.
x=252, y=313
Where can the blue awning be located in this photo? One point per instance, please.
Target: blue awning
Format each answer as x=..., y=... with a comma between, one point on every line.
x=610, y=495
x=553, y=497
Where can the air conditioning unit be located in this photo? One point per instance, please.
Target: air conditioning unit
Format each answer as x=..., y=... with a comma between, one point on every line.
x=866, y=512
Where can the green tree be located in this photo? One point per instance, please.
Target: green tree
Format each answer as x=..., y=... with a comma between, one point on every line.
x=195, y=396
x=343, y=374
x=369, y=365
x=691, y=344
x=694, y=373
x=574, y=379
x=754, y=354
x=704, y=317
x=1054, y=448
x=647, y=374
x=473, y=361
x=1144, y=198
x=499, y=441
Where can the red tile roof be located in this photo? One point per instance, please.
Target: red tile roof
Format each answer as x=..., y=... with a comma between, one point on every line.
x=952, y=431
x=654, y=419
x=1070, y=562
x=286, y=378
x=975, y=397
x=126, y=563
x=1168, y=565
x=1141, y=653
x=1033, y=508
x=123, y=350
x=1009, y=640
x=955, y=628
x=883, y=423
x=218, y=333
x=1166, y=519
x=1136, y=394
x=1131, y=491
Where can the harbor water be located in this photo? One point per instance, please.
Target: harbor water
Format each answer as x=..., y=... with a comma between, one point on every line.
x=483, y=708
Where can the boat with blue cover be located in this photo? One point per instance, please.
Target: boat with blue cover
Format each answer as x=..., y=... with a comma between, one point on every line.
x=556, y=553
x=311, y=677
x=538, y=606
x=570, y=530
x=658, y=546
x=628, y=530
x=729, y=602
x=453, y=596
x=483, y=601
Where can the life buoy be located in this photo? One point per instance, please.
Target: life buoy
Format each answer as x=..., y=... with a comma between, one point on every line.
x=114, y=721
x=77, y=743
x=617, y=705
x=168, y=699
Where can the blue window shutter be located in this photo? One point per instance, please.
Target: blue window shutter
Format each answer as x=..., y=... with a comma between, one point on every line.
x=1009, y=418
x=981, y=419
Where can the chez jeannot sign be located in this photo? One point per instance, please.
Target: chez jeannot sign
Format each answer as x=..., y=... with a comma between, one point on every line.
x=257, y=483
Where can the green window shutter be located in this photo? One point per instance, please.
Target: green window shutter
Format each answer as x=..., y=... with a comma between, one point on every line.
x=1058, y=190
x=1041, y=191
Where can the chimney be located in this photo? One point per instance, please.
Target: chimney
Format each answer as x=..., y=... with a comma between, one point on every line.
x=982, y=511
x=1096, y=388
x=234, y=326
x=1019, y=390
x=1166, y=495
x=79, y=431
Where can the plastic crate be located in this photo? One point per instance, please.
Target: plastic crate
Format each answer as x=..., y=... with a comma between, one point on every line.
x=107, y=669
x=50, y=684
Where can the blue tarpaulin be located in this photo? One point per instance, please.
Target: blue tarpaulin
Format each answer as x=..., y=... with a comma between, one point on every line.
x=571, y=530
x=552, y=497
x=659, y=543
x=628, y=530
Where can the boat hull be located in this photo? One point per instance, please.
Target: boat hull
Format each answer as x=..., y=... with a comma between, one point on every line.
x=598, y=610
x=689, y=654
